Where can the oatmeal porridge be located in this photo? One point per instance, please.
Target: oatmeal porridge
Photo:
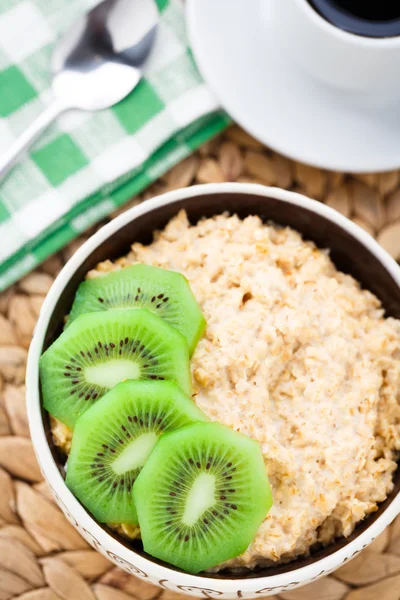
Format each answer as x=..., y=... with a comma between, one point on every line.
x=297, y=356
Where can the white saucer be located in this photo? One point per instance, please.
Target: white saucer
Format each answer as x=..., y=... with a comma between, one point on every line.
x=270, y=97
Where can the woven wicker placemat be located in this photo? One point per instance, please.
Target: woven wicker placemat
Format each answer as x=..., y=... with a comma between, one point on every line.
x=41, y=556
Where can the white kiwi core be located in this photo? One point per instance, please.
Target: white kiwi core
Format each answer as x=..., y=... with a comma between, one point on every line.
x=108, y=374
x=200, y=498
x=135, y=454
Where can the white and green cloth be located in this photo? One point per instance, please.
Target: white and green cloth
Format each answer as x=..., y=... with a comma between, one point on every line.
x=87, y=164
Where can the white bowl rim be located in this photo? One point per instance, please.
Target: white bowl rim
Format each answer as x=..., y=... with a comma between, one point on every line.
x=300, y=575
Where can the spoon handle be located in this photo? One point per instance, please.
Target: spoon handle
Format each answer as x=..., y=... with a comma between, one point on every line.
x=10, y=157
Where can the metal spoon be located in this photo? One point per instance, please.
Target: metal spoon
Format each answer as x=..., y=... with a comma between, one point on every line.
x=95, y=64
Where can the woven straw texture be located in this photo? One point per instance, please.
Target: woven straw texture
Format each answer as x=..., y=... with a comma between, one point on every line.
x=41, y=555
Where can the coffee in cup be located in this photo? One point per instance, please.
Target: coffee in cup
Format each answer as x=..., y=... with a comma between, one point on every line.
x=369, y=18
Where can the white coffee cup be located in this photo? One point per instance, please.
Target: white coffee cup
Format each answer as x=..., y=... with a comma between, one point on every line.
x=332, y=55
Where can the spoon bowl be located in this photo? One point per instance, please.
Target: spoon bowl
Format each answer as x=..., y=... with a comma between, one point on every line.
x=98, y=60
x=95, y=64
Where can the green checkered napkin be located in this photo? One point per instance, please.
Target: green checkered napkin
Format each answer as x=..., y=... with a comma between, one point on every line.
x=88, y=164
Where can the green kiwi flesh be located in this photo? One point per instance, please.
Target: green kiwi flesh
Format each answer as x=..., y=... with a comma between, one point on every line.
x=201, y=496
x=166, y=293
x=99, y=350
x=113, y=440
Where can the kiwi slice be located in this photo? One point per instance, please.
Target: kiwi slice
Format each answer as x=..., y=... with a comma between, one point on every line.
x=201, y=496
x=114, y=438
x=101, y=349
x=163, y=292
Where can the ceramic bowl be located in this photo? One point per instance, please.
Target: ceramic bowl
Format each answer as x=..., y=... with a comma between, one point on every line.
x=352, y=249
